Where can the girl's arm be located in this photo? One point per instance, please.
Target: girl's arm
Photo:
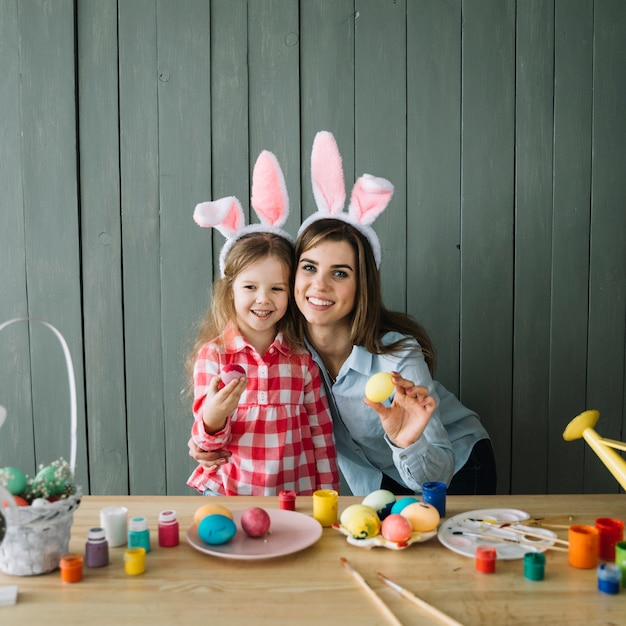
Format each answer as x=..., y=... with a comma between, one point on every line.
x=316, y=407
x=212, y=406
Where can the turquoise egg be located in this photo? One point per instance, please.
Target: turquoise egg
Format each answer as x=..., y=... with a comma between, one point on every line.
x=13, y=479
x=216, y=529
x=403, y=502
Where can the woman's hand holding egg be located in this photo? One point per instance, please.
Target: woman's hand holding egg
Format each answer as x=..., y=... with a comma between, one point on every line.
x=407, y=417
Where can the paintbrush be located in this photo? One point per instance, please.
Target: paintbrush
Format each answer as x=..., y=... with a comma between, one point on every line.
x=370, y=592
x=428, y=608
x=526, y=533
x=521, y=542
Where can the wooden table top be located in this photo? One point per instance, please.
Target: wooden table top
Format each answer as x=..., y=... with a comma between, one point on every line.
x=310, y=586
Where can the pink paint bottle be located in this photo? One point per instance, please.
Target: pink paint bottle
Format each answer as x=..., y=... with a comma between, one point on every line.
x=168, y=529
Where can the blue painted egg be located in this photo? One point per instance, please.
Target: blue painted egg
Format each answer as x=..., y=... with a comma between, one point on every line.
x=403, y=502
x=216, y=529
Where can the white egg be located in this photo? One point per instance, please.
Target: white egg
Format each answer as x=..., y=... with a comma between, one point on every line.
x=381, y=501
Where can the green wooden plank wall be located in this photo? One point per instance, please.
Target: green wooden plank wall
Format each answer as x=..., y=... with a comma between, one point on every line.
x=501, y=124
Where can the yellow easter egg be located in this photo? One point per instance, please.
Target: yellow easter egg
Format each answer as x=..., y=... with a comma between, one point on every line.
x=379, y=387
x=210, y=509
x=353, y=509
x=363, y=524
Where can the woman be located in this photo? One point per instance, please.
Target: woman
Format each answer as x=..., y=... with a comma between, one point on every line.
x=352, y=336
x=396, y=445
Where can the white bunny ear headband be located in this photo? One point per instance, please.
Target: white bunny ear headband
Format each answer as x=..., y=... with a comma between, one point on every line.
x=370, y=195
x=269, y=201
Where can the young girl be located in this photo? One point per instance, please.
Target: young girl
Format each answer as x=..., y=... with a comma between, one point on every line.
x=274, y=421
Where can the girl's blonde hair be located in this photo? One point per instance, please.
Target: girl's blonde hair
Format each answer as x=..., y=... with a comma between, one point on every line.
x=245, y=251
x=370, y=319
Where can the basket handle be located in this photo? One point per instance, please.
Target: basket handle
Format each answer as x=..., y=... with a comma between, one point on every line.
x=70, y=376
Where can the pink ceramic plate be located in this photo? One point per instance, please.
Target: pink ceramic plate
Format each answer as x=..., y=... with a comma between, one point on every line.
x=289, y=532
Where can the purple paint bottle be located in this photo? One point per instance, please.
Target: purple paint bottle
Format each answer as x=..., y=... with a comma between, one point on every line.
x=96, y=548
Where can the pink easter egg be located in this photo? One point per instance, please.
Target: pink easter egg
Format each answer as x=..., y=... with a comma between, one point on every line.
x=231, y=372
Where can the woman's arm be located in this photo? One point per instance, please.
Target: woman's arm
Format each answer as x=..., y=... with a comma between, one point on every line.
x=414, y=430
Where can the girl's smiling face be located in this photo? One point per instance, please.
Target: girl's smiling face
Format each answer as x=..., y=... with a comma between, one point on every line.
x=261, y=297
x=326, y=283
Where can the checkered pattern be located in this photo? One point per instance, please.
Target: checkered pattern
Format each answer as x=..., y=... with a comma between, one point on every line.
x=280, y=435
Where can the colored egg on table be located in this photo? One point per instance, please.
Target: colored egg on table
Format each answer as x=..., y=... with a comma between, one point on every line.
x=379, y=387
x=403, y=502
x=255, y=521
x=210, y=509
x=353, y=509
x=216, y=529
x=424, y=517
x=397, y=528
x=13, y=479
x=381, y=501
x=363, y=523
x=231, y=372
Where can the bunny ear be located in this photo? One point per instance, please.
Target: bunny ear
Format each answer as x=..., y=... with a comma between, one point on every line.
x=327, y=179
x=225, y=214
x=269, y=192
x=370, y=197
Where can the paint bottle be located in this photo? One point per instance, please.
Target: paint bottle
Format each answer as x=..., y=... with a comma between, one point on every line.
x=583, y=546
x=96, y=548
x=287, y=499
x=168, y=529
x=534, y=565
x=139, y=534
x=134, y=561
x=611, y=532
x=485, y=559
x=609, y=576
x=71, y=568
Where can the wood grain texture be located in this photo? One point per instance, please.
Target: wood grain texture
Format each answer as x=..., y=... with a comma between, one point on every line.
x=534, y=97
x=500, y=124
x=48, y=154
x=487, y=219
x=288, y=590
x=140, y=210
x=433, y=212
x=16, y=447
x=101, y=242
x=573, y=101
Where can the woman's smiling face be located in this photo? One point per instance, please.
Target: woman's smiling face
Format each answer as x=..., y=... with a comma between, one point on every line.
x=326, y=283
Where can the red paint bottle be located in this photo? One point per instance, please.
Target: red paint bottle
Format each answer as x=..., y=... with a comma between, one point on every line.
x=168, y=529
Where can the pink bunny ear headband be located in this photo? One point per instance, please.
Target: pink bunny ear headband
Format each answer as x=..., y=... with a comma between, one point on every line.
x=269, y=201
x=370, y=195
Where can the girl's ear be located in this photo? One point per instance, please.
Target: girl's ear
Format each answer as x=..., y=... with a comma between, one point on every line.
x=225, y=214
x=327, y=178
x=269, y=192
x=370, y=196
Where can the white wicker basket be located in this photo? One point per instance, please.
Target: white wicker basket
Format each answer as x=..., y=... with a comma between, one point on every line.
x=36, y=537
